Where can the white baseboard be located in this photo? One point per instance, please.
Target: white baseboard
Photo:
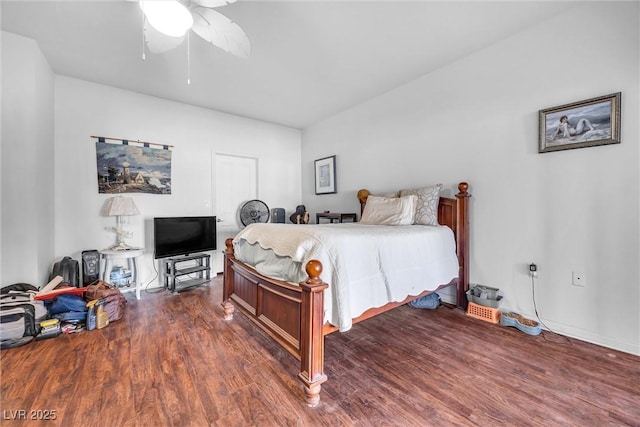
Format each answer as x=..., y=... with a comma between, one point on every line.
x=582, y=334
x=590, y=337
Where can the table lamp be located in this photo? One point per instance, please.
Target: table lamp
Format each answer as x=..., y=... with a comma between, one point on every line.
x=120, y=206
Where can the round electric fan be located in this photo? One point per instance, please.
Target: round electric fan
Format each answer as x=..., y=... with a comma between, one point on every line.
x=254, y=211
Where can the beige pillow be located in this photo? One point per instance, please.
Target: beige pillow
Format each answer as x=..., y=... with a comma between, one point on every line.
x=389, y=211
x=390, y=194
x=426, y=205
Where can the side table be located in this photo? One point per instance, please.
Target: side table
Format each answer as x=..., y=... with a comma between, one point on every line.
x=335, y=216
x=108, y=256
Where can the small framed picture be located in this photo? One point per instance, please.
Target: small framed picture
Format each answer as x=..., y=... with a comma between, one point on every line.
x=587, y=123
x=326, y=175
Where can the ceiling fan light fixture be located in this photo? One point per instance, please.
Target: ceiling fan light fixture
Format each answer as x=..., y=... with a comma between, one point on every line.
x=170, y=17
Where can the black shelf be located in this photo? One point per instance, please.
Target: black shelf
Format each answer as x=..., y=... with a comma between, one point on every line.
x=171, y=271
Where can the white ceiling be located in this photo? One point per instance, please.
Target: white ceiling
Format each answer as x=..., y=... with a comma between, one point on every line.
x=309, y=60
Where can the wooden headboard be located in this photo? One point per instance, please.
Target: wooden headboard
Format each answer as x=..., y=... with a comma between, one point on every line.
x=454, y=213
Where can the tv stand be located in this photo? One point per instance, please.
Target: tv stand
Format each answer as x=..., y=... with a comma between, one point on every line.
x=171, y=270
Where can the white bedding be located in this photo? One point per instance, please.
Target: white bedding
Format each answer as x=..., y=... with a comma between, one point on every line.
x=365, y=266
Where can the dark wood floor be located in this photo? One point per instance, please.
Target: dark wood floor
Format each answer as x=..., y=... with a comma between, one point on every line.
x=173, y=361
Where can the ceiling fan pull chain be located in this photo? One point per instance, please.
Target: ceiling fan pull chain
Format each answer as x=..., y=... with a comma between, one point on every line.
x=188, y=59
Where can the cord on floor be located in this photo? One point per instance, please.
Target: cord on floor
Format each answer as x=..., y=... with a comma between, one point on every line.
x=535, y=308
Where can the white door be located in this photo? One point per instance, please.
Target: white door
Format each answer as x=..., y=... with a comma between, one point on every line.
x=236, y=182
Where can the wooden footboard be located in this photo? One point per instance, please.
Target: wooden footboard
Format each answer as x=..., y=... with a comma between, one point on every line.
x=293, y=315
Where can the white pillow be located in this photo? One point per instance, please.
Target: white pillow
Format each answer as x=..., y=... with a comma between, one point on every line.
x=389, y=211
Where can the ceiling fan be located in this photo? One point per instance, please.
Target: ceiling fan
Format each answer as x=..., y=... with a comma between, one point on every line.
x=166, y=23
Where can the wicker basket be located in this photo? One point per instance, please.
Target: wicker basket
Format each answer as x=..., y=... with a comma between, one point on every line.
x=488, y=314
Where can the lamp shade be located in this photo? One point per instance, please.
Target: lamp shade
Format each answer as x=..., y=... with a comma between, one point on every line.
x=120, y=205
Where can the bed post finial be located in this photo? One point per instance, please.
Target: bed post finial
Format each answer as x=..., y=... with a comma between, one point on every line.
x=314, y=270
x=229, y=245
x=363, y=194
x=463, y=187
x=362, y=197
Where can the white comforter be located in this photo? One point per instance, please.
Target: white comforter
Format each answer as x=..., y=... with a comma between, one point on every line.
x=365, y=266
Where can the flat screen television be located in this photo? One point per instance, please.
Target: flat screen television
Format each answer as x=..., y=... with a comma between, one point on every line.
x=184, y=235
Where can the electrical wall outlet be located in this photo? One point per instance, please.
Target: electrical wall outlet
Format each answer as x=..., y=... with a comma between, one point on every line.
x=533, y=270
x=579, y=279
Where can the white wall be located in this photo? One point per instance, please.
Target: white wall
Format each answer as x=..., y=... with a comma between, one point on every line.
x=27, y=217
x=476, y=120
x=1, y=137
x=84, y=109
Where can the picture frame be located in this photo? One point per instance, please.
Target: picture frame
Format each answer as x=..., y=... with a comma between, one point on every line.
x=325, y=175
x=587, y=123
x=125, y=166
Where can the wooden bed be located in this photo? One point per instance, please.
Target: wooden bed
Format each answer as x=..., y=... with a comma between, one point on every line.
x=293, y=315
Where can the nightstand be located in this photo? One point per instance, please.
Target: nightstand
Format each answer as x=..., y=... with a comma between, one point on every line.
x=336, y=216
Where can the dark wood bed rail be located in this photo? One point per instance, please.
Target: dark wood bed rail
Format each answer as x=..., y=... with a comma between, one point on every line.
x=294, y=315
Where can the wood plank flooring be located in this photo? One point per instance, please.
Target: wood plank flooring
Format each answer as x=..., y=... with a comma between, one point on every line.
x=173, y=361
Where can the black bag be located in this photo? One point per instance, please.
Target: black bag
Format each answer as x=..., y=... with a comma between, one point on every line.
x=69, y=269
x=20, y=315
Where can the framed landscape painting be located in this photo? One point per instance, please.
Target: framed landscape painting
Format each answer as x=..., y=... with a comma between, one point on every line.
x=587, y=123
x=126, y=166
x=325, y=170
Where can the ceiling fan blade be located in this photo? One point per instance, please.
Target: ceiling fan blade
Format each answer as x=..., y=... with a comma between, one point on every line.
x=220, y=31
x=213, y=3
x=158, y=42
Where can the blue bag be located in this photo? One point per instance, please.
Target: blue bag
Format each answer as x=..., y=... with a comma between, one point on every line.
x=72, y=316
x=430, y=301
x=67, y=302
